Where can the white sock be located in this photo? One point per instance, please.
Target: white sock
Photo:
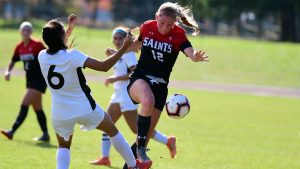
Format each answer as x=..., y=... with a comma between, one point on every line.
x=160, y=137
x=124, y=149
x=62, y=158
x=105, y=145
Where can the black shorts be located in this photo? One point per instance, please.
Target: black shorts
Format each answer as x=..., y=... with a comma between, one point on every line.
x=37, y=85
x=159, y=90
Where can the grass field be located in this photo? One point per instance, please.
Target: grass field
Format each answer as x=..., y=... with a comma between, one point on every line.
x=222, y=131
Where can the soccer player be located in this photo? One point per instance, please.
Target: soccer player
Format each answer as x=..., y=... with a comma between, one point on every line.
x=72, y=102
x=160, y=41
x=27, y=51
x=120, y=101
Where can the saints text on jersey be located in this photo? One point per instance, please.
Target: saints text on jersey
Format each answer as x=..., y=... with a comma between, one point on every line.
x=162, y=46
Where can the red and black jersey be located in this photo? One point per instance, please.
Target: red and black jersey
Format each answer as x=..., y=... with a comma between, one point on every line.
x=28, y=54
x=159, y=52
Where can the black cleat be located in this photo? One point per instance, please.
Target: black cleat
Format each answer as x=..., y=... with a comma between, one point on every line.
x=142, y=156
x=8, y=134
x=43, y=138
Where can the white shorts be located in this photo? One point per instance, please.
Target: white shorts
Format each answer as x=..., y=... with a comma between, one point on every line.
x=122, y=97
x=65, y=128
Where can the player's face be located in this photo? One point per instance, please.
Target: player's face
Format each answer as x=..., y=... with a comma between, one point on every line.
x=164, y=23
x=118, y=40
x=26, y=33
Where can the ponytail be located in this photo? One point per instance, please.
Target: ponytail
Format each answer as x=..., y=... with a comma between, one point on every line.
x=186, y=17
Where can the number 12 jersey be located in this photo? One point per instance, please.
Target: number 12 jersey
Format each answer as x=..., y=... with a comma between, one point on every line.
x=159, y=52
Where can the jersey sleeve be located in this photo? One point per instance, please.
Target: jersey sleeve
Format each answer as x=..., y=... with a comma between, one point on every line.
x=130, y=59
x=79, y=59
x=16, y=55
x=185, y=43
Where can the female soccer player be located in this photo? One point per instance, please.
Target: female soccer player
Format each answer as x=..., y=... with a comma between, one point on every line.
x=27, y=51
x=160, y=41
x=120, y=101
x=71, y=98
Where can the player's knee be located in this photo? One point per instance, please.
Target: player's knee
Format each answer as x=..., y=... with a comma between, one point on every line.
x=148, y=101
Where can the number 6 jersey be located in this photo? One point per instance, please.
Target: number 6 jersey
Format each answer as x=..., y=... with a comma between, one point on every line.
x=63, y=74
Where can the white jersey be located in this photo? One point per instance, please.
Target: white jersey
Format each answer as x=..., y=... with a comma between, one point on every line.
x=71, y=96
x=121, y=68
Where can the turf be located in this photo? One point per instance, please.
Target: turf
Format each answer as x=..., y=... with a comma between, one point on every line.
x=222, y=131
x=232, y=60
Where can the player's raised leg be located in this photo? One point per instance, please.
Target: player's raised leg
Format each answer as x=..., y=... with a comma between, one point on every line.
x=140, y=92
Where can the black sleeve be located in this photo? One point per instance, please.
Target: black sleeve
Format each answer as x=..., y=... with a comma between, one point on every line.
x=15, y=59
x=184, y=45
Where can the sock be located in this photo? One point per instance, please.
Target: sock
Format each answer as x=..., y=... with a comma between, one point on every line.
x=62, y=158
x=21, y=117
x=143, y=128
x=133, y=149
x=160, y=137
x=105, y=145
x=123, y=148
x=42, y=120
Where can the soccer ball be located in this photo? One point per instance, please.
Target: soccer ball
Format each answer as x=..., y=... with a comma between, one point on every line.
x=177, y=106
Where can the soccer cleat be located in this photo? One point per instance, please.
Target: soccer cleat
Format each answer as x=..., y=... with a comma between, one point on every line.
x=44, y=138
x=171, y=144
x=141, y=165
x=101, y=161
x=142, y=156
x=8, y=134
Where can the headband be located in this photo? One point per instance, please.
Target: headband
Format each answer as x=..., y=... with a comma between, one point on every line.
x=121, y=31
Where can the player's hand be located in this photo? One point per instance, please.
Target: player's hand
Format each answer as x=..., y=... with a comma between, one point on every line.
x=128, y=41
x=110, y=51
x=109, y=80
x=7, y=76
x=199, y=56
x=72, y=20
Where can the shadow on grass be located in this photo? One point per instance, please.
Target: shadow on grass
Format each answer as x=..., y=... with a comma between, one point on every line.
x=38, y=143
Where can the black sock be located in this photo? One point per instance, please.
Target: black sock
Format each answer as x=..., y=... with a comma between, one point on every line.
x=42, y=120
x=143, y=128
x=21, y=117
x=133, y=149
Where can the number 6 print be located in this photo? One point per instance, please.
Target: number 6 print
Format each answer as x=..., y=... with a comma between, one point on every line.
x=51, y=74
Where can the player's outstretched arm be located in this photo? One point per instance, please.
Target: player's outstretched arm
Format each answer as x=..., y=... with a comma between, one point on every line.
x=71, y=25
x=136, y=45
x=106, y=64
x=196, y=56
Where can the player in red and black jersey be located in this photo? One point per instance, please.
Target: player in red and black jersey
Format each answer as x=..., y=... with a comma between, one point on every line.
x=160, y=41
x=27, y=51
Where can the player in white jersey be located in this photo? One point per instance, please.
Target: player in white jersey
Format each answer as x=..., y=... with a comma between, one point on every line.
x=72, y=102
x=121, y=103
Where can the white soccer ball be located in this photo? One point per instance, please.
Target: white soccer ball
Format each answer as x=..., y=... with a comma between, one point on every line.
x=177, y=106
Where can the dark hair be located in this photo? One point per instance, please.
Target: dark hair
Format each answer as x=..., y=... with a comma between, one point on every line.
x=184, y=14
x=53, y=35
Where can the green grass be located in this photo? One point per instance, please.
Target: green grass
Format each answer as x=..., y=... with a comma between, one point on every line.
x=232, y=60
x=222, y=131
